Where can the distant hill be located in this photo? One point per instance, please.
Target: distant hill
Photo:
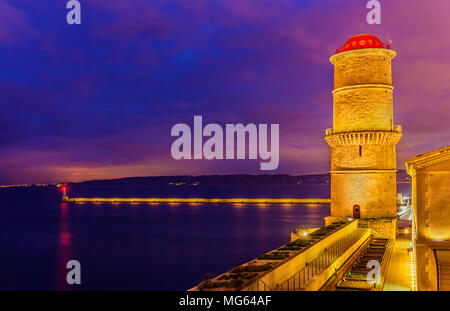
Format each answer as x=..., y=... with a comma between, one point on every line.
x=402, y=176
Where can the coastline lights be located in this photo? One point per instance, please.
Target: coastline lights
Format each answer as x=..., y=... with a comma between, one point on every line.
x=258, y=201
x=412, y=267
x=413, y=252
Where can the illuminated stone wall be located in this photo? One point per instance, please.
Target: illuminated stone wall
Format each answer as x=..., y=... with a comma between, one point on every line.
x=382, y=227
x=363, y=138
x=433, y=203
x=432, y=212
x=372, y=155
x=374, y=192
x=426, y=269
x=348, y=114
x=288, y=268
x=430, y=174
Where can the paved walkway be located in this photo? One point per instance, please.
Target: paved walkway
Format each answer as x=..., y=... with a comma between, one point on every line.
x=398, y=276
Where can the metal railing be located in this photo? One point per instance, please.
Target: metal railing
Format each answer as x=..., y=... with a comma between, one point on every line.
x=303, y=277
x=384, y=264
x=337, y=277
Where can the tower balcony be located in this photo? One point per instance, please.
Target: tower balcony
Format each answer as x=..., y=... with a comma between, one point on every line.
x=364, y=137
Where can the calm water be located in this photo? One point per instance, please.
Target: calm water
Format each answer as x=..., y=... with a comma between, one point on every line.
x=142, y=246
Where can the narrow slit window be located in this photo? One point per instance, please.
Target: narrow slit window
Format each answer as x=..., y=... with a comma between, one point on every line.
x=360, y=150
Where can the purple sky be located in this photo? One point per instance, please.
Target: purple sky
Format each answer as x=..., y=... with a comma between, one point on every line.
x=98, y=100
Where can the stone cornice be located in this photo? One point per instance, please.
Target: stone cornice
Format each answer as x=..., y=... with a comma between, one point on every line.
x=361, y=52
x=427, y=159
x=364, y=86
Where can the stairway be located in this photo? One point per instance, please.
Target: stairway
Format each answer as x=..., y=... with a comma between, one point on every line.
x=355, y=279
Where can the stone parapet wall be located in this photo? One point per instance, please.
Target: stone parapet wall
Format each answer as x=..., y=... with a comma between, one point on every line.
x=385, y=228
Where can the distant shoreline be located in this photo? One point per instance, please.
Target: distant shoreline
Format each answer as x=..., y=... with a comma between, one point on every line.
x=281, y=179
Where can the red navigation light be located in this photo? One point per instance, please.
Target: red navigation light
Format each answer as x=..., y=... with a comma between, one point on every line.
x=64, y=189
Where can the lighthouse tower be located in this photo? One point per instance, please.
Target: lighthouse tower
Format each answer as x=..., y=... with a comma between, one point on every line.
x=363, y=138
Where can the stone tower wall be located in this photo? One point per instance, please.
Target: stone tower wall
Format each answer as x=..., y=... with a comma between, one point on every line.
x=363, y=156
x=373, y=66
x=363, y=107
x=373, y=191
x=363, y=138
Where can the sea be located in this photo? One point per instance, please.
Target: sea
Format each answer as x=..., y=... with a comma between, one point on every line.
x=144, y=246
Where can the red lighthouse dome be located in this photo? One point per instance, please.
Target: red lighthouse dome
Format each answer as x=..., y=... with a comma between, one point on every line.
x=362, y=41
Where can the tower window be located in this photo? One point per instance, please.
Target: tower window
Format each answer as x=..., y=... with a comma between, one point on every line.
x=360, y=150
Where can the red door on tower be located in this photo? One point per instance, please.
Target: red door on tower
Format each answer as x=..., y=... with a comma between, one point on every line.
x=356, y=211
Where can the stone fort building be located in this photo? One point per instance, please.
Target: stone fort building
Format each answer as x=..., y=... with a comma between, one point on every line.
x=430, y=174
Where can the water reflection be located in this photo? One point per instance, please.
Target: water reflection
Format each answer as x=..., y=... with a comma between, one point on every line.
x=64, y=247
x=142, y=246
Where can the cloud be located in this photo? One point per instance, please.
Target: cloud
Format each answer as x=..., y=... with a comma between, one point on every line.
x=14, y=26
